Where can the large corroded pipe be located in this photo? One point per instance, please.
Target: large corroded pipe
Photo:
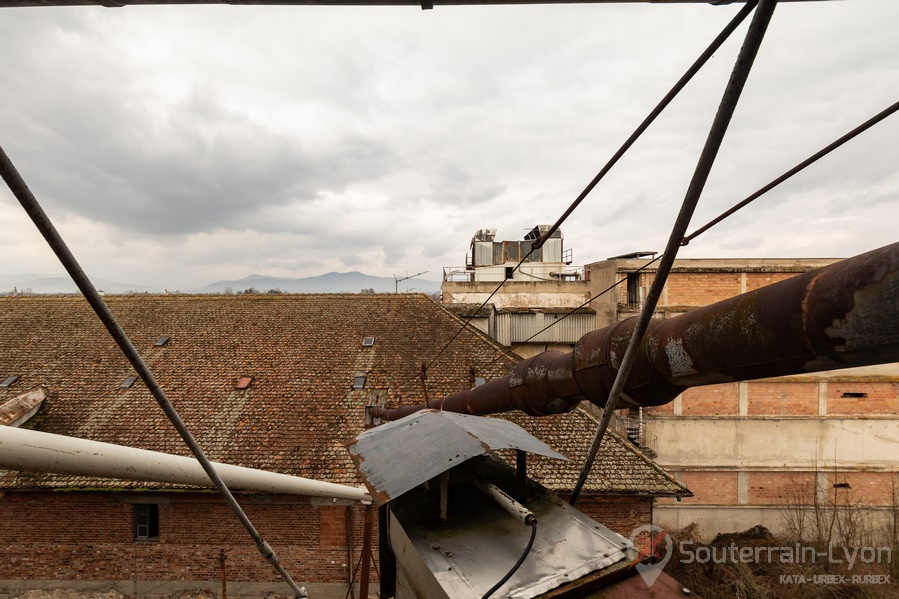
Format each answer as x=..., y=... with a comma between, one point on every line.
x=839, y=316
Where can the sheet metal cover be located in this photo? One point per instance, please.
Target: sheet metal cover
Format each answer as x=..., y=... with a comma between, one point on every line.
x=398, y=456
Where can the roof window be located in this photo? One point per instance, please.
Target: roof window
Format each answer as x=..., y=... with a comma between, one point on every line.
x=359, y=381
x=126, y=384
x=161, y=341
x=368, y=342
x=244, y=382
x=9, y=381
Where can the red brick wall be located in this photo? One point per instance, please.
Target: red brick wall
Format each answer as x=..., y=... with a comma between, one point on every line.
x=711, y=488
x=782, y=399
x=881, y=398
x=779, y=488
x=865, y=488
x=701, y=289
x=622, y=514
x=754, y=280
x=85, y=536
x=723, y=399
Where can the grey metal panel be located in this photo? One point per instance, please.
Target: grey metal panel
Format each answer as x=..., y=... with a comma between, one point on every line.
x=552, y=250
x=522, y=327
x=503, y=328
x=483, y=253
x=398, y=456
x=480, y=542
x=497, y=252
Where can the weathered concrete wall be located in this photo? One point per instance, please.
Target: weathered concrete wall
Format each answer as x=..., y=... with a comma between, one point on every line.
x=542, y=294
x=795, y=443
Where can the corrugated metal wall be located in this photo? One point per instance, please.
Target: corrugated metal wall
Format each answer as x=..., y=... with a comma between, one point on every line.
x=512, y=328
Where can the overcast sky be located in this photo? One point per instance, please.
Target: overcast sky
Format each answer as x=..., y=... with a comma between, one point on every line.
x=177, y=146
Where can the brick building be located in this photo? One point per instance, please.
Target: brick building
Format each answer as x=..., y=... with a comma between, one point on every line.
x=274, y=382
x=752, y=452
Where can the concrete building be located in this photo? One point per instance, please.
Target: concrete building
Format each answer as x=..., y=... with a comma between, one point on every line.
x=522, y=314
x=754, y=452
x=274, y=382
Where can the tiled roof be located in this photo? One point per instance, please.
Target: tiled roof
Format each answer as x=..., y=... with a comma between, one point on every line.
x=301, y=351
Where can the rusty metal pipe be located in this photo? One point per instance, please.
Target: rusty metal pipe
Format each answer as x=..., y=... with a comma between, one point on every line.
x=840, y=316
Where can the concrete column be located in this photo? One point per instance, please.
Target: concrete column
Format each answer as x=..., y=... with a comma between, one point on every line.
x=744, y=398
x=821, y=486
x=822, y=398
x=742, y=487
x=677, y=406
x=742, y=282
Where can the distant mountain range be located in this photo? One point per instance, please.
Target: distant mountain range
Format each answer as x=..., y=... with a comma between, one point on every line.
x=35, y=283
x=333, y=282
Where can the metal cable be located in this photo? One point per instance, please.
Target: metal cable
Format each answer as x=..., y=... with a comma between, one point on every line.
x=573, y=310
x=43, y=223
x=663, y=103
x=799, y=167
x=686, y=240
x=726, y=109
x=517, y=565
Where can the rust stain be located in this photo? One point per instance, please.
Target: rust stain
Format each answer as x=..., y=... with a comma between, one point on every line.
x=804, y=311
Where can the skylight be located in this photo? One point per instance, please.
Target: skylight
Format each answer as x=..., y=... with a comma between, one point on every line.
x=126, y=384
x=244, y=382
x=368, y=342
x=161, y=341
x=9, y=381
x=359, y=381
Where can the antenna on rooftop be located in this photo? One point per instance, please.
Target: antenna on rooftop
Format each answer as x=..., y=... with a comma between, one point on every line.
x=396, y=280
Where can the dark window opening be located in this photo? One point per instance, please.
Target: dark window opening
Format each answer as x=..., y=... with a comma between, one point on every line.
x=510, y=270
x=633, y=289
x=146, y=522
x=855, y=395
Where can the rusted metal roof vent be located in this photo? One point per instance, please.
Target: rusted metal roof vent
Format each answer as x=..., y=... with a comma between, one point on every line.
x=244, y=382
x=432, y=442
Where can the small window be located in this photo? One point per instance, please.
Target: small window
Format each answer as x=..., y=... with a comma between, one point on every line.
x=359, y=381
x=146, y=522
x=126, y=384
x=850, y=394
x=633, y=289
x=161, y=341
x=510, y=270
x=368, y=342
x=9, y=381
x=244, y=382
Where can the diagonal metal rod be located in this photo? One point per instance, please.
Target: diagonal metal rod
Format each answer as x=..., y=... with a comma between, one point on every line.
x=726, y=108
x=43, y=223
x=799, y=167
x=641, y=128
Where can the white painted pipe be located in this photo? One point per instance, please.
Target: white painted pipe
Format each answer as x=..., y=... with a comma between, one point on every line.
x=35, y=451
